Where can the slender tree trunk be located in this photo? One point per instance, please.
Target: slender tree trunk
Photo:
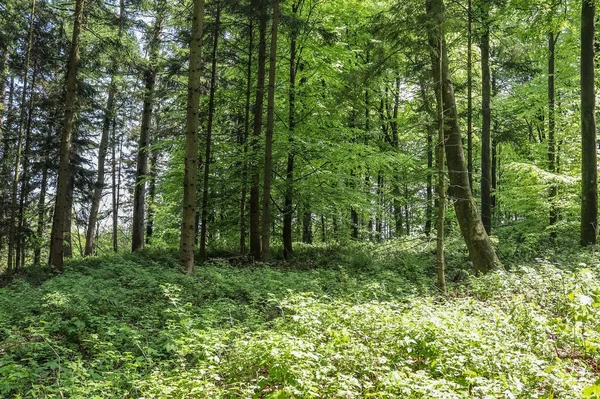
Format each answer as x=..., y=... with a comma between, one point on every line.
x=480, y=248
x=288, y=208
x=99, y=185
x=4, y=161
x=551, y=130
x=244, y=142
x=589, y=167
x=41, y=221
x=268, y=173
x=190, y=182
x=255, y=237
x=21, y=242
x=486, y=126
x=68, y=217
x=116, y=185
x=13, y=234
x=441, y=187
x=211, y=114
x=430, y=152
x=3, y=85
x=109, y=113
x=139, y=192
x=152, y=172
x=470, y=93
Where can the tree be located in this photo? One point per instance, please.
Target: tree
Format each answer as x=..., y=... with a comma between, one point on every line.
x=209, y=129
x=486, y=123
x=61, y=207
x=589, y=167
x=266, y=217
x=255, y=236
x=149, y=72
x=480, y=248
x=186, y=246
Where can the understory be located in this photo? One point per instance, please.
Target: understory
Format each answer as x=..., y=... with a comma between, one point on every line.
x=341, y=321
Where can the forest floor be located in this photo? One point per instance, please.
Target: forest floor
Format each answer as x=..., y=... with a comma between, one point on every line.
x=343, y=321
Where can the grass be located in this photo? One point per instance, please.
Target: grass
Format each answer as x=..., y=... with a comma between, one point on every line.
x=343, y=321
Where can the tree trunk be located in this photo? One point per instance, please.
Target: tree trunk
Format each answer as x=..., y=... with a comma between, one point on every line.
x=288, y=208
x=13, y=233
x=470, y=93
x=267, y=176
x=63, y=184
x=190, y=182
x=551, y=131
x=25, y=188
x=244, y=142
x=109, y=113
x=255, y=237
x=480, y=248
x=116, y=185
x=441, y=187
x=41, y=222
x=589, y=167
x=486, y=126
x=151, y=213
x=3, y=85
x=139, y=192
x=211, y=114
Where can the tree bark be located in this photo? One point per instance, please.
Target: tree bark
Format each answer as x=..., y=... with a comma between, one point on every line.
x=470, y=92
x=139, y=192
x=480, y=248
x=551, y=130
x=288, y=208
x=211, y=114
x=441, y=186
x=13, y=233
x=255, y=237
x=41, y=221
x=116, y=185
x=589, y=168
x=190, y=182
x=268, y=169
x=244, y=142
x=486, y=126
x=63, y=184
x=103, y=148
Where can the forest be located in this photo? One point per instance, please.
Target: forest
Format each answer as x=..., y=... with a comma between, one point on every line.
x=299, y=199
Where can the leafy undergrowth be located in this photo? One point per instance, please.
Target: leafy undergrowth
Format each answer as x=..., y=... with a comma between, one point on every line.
x=356, y=322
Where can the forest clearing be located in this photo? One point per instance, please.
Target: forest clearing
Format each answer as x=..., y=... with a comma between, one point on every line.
x=299, y=199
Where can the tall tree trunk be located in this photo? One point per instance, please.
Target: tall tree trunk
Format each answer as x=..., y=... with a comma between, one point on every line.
x=109, y=113
x=139, y=192
x=470, y=92
x=68, y=217
x=430, y=152
x=41, y=216
x=4, y=161
x=268, y=173
x=116, y=185
x=288, y=208
x=151, y=214
x=25, y=188
x=3, y=85
x=99, y=185
x=255, y=237
x=190, y=182
x=551, y=130
x=441, y=186
x=211, y=114
x=589, y=167
x=486, y=125
x=480, y=248
x=244, y=142
x=13, y=235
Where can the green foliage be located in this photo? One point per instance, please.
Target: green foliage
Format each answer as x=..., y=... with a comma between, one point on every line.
x=344, y=321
